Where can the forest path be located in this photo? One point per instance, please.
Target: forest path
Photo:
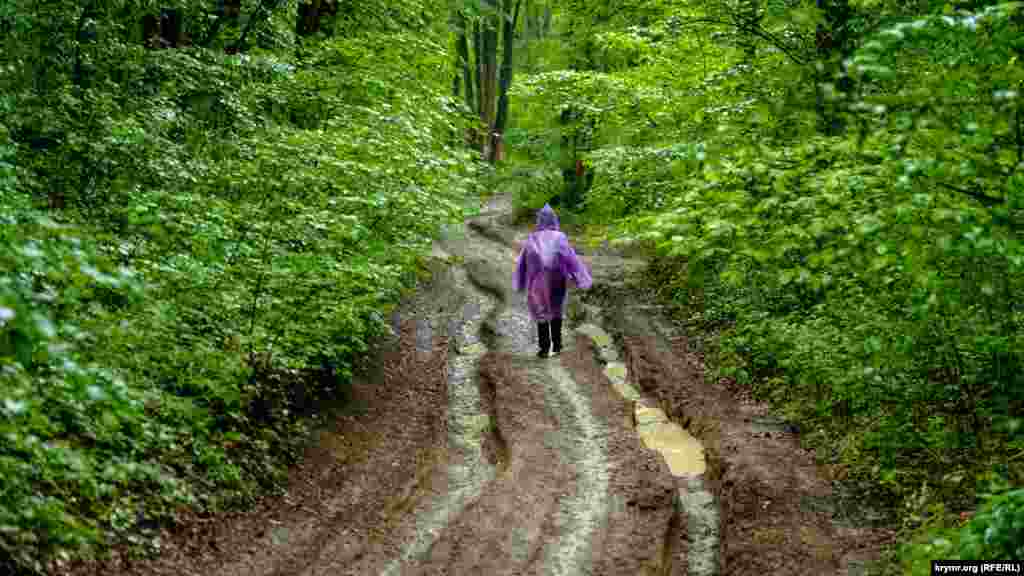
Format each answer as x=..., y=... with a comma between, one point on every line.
x=536, y=470
x=463, y=453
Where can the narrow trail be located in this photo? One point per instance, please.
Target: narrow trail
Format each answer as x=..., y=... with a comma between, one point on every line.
x=543, y=503
x=466, y=454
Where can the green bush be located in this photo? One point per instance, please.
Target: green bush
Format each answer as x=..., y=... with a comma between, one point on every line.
x=233, y=232
x=995, y=532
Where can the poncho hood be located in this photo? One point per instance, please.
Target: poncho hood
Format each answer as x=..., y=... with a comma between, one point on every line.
x=547, y=219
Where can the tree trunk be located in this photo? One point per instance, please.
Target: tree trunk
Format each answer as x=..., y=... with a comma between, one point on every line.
x=501, y=119
x=85, y=35
x=453, y=23
x=264, y=10
x=478, y=51
x=463, y=52
x=751, y=21
x=226, y=10
x=489, y=73
x=307, y=17
x=478, y=80
x=526, y=20
x=163, y=31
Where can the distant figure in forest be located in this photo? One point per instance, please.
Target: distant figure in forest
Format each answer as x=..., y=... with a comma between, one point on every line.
x=545, y=262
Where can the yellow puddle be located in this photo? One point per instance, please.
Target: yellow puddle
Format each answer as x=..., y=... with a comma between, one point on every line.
x=474, y=349
x=683, y=453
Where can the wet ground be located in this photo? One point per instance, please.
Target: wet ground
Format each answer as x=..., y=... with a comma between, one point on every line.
x=466, y=454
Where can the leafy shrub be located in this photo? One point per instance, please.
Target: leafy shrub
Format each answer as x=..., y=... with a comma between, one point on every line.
x=995, y=532
x=234, y=230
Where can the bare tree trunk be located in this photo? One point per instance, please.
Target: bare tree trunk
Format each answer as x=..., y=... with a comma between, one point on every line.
x=226, y=10
x=453, y=24
x=501, y=119
x=462, y=45
x=165, y=30
x=264, y=10
x=751, y=21
x=307, y=17
x=488, y=73
x=478, y=79
x=85, y=35
x=478, y=51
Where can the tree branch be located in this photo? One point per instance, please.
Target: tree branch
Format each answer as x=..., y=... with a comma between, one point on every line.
x=979, y=196
x=755, y=30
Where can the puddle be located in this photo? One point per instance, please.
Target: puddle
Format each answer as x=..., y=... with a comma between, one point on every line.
x=683, y=453
x=474, y=349
x=599, y=336
x=616, y=373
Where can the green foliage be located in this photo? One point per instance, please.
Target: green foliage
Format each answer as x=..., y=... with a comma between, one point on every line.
x=235, y=229
x=68, y=424
x=996, y=531
x=866, y=283
x=530, y=187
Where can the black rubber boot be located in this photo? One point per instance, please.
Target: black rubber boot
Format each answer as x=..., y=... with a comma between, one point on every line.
x=556, y=336
x=544, y=339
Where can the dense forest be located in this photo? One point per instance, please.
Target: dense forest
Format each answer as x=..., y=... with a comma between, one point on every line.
x=209, y=208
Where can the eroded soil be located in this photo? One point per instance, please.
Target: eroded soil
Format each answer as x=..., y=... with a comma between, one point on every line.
x=465, y=454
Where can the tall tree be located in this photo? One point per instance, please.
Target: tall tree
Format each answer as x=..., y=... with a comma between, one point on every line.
x=750, y=16
x=463, y=65
x=478, y=79
x=488, y=71
x=479, y=37
x=264, y=10
x=226, y=10
x=309, y=14
x=526, y=20
x=165, y=30
x=501, y=119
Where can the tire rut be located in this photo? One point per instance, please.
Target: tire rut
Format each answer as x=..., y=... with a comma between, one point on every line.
x=468, y=423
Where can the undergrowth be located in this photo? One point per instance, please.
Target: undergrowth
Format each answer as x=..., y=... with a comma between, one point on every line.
x=197, y=250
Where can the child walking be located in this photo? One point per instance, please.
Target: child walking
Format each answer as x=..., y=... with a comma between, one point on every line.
x=545, y=263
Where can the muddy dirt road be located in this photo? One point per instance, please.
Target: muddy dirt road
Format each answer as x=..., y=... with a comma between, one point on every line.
x=466, y=454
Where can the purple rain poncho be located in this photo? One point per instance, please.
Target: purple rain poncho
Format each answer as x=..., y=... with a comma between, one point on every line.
x=544, y=264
